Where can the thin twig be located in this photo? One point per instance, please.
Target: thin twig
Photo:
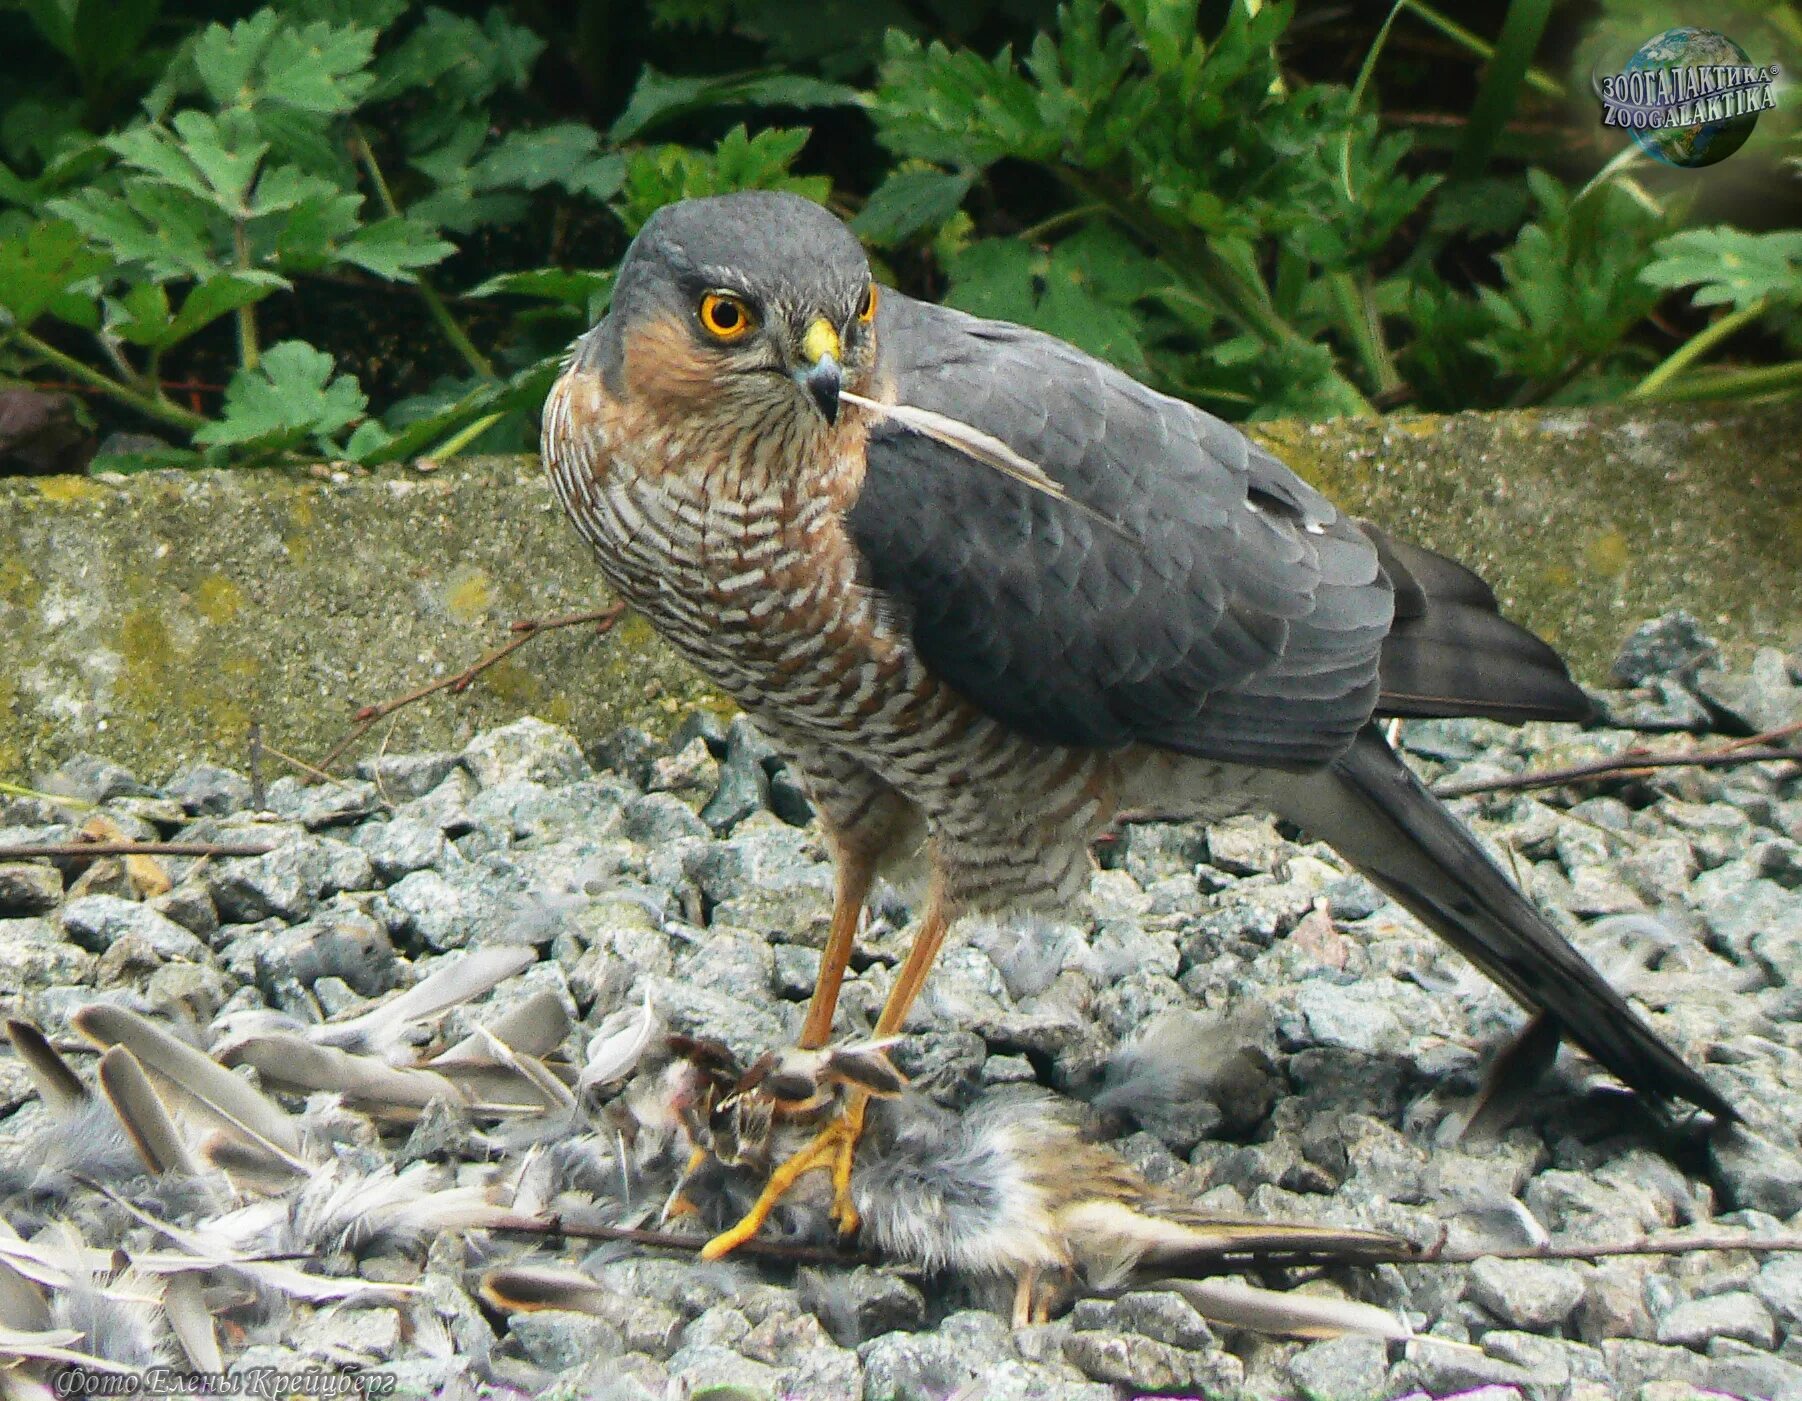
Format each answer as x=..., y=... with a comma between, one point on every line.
x=20, y=851
x=669, y=1240
x=1687, y=1245
x=1234, y=1259
x=258, y=798
x=1753, y=749
x=524, y=630
x=305, y=767
x=447, y=324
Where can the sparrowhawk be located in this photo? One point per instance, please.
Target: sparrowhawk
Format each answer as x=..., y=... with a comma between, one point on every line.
x=1031, y=594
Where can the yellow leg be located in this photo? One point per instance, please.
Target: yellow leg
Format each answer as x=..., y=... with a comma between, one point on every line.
x=853, y=889
x=912, y=976
x=833, y=1149
x=844, y=1211
x=835, y=1146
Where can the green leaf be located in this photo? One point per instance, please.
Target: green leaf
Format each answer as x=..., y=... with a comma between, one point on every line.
x=995, y=277
x=368, y=14
x=1085, y=290
x=316, y=67
x=1571, y=285
x=144, y=460
x=155, y=152
x=70, y=166
x=42, y=272
x=394, y=249
x=144, y=318
x=220, y=296
x=285, y=187
x=568, y=155
x=660, y=98
x=437, y=46
x=839, y=39
x=170, y=232
x=660, y=175
x=291, y=396
x=449, y=413
x=225, y=59
x=954, y=108
x=569, y=286
x=908, y=201
x=213, y=159
x=1730, y=267
x=369, y=439
x=225, y=150
x=55, y=21
x=141, y=316
x=108, y=36
x=319, y=67
x=310, y=234
x=462, y=63
x=1487, y=206
x=455, y=205
x=1168, y=29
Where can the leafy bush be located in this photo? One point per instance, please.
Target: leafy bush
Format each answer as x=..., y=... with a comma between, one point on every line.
x=359, y=229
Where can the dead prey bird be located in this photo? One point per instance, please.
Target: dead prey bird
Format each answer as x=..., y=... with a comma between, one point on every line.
x=1007, y=1192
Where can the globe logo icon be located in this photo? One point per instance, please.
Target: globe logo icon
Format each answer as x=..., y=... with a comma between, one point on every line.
x=1690, y=97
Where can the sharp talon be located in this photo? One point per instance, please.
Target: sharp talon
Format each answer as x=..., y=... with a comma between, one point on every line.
x=833, y=1149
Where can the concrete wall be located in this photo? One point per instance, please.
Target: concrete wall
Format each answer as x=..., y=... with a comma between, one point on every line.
x=153, y=618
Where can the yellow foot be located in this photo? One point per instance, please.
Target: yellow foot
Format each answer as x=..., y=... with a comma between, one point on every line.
x=834, y=1149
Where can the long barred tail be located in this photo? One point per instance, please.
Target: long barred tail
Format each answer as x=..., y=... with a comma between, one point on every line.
x=1372, y=809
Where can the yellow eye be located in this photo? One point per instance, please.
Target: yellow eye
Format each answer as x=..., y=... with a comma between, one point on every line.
x=726, y=316
x=866, y=309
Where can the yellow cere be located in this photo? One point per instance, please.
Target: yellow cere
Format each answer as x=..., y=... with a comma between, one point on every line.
x=820, y=341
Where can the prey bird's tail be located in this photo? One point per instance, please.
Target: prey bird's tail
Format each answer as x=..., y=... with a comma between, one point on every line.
x=1371, y=808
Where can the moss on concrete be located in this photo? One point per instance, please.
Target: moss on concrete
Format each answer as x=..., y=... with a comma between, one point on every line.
x=1587, y=521
x=157, y=617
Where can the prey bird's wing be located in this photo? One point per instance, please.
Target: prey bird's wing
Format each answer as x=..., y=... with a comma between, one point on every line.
x=1234, y=614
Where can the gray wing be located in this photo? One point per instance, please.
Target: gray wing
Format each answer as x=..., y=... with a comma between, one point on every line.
x=1236, y=615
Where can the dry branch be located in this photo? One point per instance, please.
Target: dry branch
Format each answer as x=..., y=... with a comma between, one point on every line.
x=24, y=851
x=1230, y=1260
x=1638, y=762
x=524, y=630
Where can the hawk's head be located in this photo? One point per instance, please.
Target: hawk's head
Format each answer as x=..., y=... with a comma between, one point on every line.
x=750, y=307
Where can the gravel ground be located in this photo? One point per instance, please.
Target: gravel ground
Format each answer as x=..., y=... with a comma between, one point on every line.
x=1351, y=1041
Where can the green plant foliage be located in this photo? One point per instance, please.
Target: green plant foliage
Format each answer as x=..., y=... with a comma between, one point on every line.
x=421, y=204
x=1570, y=282
x=1729, y=267
x=659, y=175
x=43, y=271
x=291, y=396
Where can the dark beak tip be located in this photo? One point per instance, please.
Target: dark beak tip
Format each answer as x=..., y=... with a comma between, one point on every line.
x=822, y=384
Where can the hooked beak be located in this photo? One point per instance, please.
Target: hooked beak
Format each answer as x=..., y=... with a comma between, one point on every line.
x=820, y=373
